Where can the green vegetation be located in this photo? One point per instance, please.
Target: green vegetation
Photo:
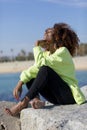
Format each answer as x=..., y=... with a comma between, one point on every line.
x=82, y=50
x=23, y=55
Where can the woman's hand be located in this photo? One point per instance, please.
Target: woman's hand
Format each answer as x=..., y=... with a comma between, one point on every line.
x=37, y=43
x=18, y=90
x=42, y=43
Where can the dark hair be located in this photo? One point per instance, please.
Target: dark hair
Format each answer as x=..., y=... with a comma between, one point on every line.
x=64, y=36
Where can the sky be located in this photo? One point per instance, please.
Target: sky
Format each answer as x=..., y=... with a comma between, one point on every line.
x=23, y=22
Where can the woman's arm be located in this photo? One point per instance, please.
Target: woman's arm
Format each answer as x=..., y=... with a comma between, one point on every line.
x=28, y=74
x=18, y=90
x=41, y=60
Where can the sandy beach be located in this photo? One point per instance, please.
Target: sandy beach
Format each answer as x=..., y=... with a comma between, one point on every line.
x=80, y=63
x=13, y=67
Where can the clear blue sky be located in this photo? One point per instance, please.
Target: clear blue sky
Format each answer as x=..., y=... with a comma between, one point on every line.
x=22, y=22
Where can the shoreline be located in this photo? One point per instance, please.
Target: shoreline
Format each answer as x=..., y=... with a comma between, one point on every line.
x=18, y=66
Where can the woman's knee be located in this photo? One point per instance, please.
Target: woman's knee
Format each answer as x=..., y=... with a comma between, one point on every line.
x=45, y=69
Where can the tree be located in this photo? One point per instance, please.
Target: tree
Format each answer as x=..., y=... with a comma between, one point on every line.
x=21, y=56
x=30, y=56
x=12, y=57
x=1, y=52
x=82, y=49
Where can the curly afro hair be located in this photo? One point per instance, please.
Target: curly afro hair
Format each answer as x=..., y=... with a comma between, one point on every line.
x=65, y=36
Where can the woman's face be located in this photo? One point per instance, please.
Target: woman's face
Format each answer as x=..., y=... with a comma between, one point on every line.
x=48, y=36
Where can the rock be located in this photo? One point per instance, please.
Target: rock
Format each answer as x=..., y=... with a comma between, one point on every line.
x=84, y=90
x=63, y=117
x=8, y=122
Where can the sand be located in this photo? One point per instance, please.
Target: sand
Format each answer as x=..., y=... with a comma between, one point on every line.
x=16, y=66
x=80, y=63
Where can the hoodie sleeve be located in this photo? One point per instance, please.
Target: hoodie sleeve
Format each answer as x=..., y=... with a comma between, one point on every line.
x=28, y=74
x=40, y=59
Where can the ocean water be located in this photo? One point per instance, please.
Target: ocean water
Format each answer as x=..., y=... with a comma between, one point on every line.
x=9, y=81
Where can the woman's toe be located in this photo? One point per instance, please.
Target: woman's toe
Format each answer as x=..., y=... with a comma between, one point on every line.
x=8, y=111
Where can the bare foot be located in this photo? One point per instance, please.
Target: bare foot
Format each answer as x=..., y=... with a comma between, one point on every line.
x=37, y=103
x=15, y=110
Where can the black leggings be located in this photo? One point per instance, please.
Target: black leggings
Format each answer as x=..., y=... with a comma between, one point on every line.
x=49, y=84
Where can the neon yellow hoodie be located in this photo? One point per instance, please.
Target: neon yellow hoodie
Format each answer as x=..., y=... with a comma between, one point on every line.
x=61, y=62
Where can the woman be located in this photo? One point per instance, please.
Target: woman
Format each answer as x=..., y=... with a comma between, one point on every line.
x=53, y=74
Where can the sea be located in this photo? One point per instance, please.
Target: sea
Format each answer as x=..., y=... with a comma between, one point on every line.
x=9, y=81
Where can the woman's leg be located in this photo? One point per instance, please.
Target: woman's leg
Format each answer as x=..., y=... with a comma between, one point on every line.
x=18, y=107
x=49, y=84
x=28, y=85
x=36, y=102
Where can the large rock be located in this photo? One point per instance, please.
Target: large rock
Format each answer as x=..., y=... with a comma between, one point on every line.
x=8, y=122
x=63, y=117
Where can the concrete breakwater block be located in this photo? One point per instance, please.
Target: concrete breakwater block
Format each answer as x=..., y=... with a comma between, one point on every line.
x=63, y=117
